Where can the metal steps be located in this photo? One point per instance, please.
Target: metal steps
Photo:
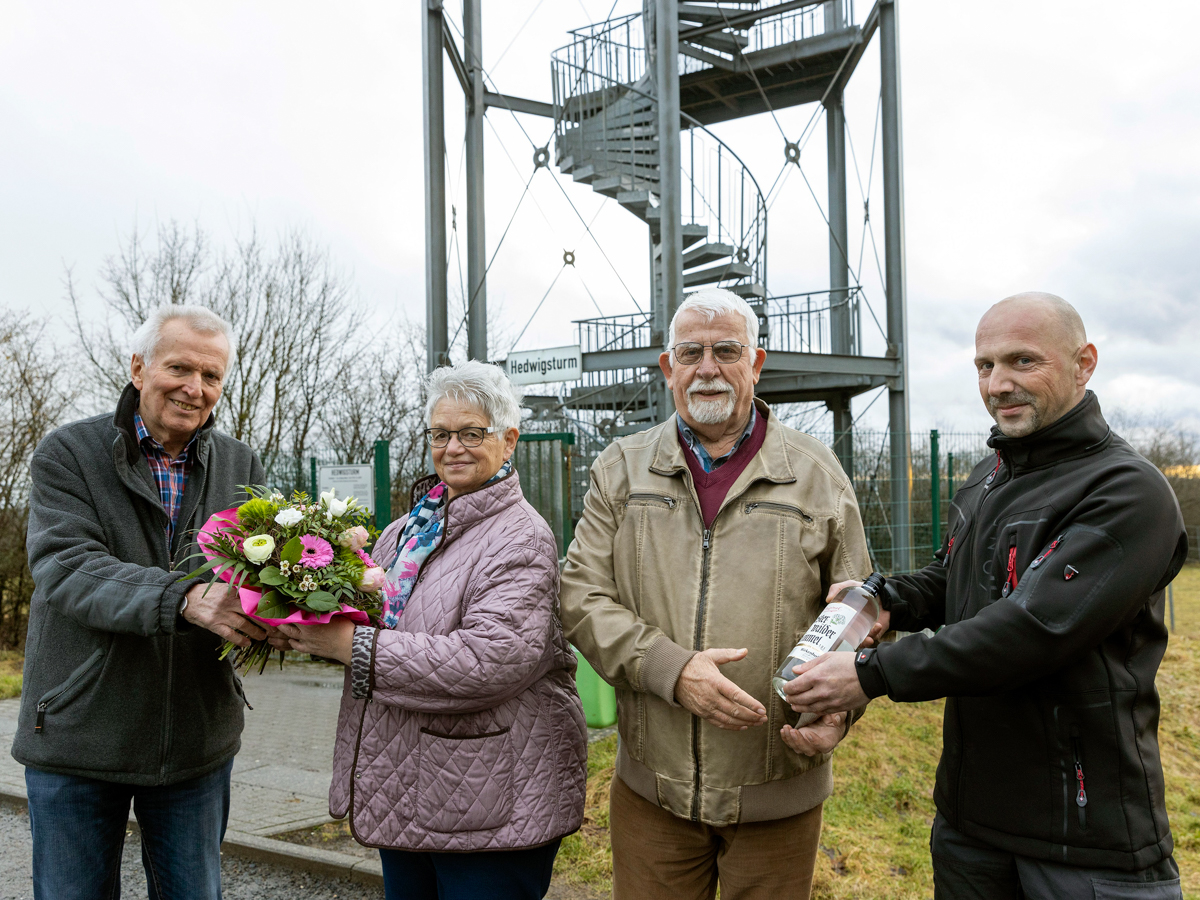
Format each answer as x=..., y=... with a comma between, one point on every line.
x=607, y=137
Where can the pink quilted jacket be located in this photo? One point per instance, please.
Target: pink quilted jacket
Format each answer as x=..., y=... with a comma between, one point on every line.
x=473, y=737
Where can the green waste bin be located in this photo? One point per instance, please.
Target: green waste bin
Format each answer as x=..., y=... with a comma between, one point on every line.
x=599, y=698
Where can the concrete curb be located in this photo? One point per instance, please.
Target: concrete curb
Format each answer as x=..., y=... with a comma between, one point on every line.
x=268, y=850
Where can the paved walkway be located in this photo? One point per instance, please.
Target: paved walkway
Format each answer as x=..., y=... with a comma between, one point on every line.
x=281, y=776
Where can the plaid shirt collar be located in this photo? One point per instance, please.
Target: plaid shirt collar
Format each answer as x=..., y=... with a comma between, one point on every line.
x=707, y=462
x=170, y=475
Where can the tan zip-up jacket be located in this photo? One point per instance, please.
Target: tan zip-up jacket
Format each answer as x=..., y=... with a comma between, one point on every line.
x=646, y=586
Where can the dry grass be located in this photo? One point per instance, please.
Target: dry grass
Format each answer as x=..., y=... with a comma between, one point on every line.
x=875, y=841
x=11, y=662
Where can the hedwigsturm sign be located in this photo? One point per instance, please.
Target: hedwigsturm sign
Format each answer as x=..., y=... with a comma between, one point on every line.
x=540, y=366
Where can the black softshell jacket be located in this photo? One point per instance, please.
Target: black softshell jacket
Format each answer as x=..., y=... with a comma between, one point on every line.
x=1050, y=586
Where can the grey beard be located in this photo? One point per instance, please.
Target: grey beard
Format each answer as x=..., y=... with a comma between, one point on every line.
x=710, y=412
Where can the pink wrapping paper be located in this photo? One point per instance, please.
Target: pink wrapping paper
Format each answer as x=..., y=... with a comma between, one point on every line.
x=226, y=520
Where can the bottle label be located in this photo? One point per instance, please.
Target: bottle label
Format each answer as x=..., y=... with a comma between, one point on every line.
x=824, y=634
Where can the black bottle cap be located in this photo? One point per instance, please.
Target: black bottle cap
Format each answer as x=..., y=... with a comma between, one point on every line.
x=874, y=584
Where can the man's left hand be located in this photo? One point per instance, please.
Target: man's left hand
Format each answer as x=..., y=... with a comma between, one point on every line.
x=827, y=684
x=816, y=737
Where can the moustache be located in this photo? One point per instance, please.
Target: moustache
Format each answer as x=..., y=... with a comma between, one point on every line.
x=715, y=384
x=1012, y=398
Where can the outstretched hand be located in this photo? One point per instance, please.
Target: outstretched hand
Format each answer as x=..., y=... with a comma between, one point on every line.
x=827, y=684
x=333, y=640
x=705, y=692
x=816, y=737
x=216, y=607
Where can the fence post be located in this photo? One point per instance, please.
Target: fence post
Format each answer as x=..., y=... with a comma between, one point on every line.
x=383, y=485
x=935, y=491
x=312, y=462
x=949, y=476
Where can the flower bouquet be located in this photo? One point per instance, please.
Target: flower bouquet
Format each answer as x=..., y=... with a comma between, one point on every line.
x=292, y=561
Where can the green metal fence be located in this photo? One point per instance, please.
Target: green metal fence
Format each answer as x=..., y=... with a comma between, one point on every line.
x=543, y=462
x=938, y=465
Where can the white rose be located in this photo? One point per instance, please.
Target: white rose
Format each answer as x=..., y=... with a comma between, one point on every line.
x=289, y=516
x=337, y=508
x=328, y=496
x=258, y=548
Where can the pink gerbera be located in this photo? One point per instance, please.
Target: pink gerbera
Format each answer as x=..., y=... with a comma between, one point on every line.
x=366, y=558
x=317, y=552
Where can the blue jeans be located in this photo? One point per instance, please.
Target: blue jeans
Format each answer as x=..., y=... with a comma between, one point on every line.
x=495, y=874
x=78, y=827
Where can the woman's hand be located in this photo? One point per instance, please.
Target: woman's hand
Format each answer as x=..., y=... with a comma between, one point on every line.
x=330, y=641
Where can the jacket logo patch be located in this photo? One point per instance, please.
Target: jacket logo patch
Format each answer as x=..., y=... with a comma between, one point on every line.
x=1069, y=572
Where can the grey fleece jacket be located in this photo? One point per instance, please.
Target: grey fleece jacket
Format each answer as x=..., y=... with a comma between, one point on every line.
x=117, y=685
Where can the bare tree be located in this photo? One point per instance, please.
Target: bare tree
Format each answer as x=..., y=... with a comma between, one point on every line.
x=34, y=402
x=289, y=308
x=305, y=378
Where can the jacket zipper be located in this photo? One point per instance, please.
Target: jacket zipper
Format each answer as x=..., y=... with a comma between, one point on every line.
x=661, y=498
x=782, y=507
x=1010, y=583
x=706, y=554
x=1081, y=795
x=969, y=538
x=47, y=699
x=1053, y=546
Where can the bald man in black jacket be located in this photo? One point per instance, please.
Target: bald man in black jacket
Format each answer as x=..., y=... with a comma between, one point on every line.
x=1050, y=588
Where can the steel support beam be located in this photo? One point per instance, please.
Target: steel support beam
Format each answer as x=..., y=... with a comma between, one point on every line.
x=434, y=115
x=843, y=431
x=779, y=362
x=840, y=332
x=897, y=324
x=670, y=203
x=519, y=104
x=477, y=336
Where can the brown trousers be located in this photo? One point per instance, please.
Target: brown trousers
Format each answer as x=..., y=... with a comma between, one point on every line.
x=659, y=856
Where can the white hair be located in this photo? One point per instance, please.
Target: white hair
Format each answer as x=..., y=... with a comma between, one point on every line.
x=477, y=384
x=198, y=318
x=713, y=302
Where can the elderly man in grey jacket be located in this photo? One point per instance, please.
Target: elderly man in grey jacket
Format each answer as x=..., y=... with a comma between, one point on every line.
x=125, y=700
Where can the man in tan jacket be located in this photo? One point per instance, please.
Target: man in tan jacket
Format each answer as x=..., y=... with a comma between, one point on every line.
x=719, y=529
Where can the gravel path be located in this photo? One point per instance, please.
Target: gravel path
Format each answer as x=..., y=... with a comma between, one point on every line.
x=241, y=879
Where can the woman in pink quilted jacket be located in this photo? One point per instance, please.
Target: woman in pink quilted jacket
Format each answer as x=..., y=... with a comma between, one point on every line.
x=461, y=748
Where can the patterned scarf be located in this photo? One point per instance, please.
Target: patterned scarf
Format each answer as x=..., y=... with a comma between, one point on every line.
x=420, y=537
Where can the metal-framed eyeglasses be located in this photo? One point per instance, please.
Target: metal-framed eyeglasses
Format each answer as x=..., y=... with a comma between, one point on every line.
x=472, y=436
x=689, y=353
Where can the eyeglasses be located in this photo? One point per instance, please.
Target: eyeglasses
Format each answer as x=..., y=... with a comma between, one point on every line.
x=689, y=353
x=468, y=437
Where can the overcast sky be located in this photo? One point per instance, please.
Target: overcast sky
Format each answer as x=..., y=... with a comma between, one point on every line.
x=1049, y=146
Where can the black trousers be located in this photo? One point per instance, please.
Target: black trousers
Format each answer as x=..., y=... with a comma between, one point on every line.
x=967, y=869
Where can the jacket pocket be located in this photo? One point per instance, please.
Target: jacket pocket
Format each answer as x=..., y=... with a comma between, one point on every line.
x=648, y=499
x=464, y=782
x=777, y=509
x=59, y=696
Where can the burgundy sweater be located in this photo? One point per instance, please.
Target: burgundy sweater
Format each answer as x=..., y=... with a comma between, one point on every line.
x=711, y=487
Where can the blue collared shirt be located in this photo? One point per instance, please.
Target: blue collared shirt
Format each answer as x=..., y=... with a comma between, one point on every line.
x=707, y=462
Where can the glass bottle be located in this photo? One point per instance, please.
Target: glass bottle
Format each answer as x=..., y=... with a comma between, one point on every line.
x=843, y=624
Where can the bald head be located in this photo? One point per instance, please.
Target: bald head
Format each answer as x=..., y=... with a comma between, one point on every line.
x=1034, y=361
x=1051, y=314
